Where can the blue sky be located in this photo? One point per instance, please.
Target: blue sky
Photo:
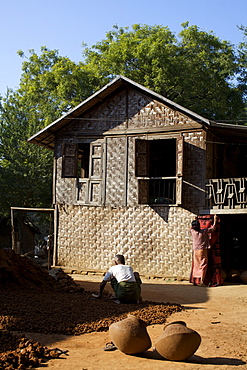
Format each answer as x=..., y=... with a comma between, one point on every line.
x=65, y=24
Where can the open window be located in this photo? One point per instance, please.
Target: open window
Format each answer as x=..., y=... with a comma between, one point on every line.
x=159, y=170
x=83, y=161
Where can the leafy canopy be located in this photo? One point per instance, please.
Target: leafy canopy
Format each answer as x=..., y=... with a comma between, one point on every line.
x=49, y=86
x=195, y=69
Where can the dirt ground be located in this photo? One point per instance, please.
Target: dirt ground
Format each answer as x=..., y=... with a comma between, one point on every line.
x=218, y=314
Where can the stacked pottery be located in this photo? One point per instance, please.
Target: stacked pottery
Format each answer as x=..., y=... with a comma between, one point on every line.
x=177, y=342
x=130, y=335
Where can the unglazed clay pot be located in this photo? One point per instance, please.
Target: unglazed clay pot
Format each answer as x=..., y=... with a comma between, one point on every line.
x=130, y=335
x=177, y=342
x=234, y=276
x=243, y=277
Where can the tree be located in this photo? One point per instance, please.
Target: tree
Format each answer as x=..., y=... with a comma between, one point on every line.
x=25, y=170
x=195, y=70
x=49, y=86
x=242, y=75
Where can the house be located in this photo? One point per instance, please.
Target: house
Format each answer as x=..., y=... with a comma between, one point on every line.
x=131, y=171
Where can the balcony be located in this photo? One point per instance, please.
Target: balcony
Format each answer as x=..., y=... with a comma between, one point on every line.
x=227, y=195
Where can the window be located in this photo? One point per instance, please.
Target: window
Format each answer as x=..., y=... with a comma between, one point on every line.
x=157, y=170
x=83, y=160
x=84, y=163
x=76, y=160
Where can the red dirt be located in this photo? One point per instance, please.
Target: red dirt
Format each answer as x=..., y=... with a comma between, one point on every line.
x=34, y=301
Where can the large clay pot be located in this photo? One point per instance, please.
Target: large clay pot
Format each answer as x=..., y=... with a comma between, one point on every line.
x=177, y=342
x=130, y=335
x=234, y=276
x=224, y=275
x=243, y=277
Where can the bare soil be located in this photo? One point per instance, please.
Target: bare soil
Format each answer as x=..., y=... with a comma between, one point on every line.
x=218, y=314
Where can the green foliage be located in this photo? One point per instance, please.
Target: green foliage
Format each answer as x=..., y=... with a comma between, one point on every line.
x=25, y=170
x=49, y=86
x=242, y=63
x=143, y=54
x=195, y=70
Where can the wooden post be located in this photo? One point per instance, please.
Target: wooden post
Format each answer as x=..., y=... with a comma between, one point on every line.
x=49, y=251
x=12, y=230
x=55, y=235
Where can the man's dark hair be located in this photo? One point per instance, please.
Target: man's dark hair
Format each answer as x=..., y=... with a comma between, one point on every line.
x=119, y=258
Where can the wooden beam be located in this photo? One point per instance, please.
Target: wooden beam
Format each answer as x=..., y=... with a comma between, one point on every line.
x=33, y=209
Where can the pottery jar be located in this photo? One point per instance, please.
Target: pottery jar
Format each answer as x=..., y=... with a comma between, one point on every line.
x=177, y=342
x=130, y=335
x=243, y=277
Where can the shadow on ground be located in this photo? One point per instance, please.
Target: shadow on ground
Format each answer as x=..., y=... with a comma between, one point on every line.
x=184, y=294
x=197, y=359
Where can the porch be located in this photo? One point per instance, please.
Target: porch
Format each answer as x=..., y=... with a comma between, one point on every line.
x=226, y=196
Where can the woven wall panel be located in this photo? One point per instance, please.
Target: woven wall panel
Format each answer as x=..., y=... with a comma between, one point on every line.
x=112, y=115
x=95, y=192
x=155, y=241
x=150, y=113
x=96, y=167
x=132, y=189
x=109, y=115
x=194, y=170
x=65, y=187
x=82, y=191
x=116, y=171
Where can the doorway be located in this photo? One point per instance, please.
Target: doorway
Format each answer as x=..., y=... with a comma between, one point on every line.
x=233, y=242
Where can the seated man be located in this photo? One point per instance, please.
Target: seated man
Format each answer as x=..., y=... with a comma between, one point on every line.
x=125, y=283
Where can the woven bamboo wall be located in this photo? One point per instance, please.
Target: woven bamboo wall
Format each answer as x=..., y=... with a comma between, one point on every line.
x=194, y=171
x=155, y=241
x=150, y=113
x=126, y=110
x=116, y=171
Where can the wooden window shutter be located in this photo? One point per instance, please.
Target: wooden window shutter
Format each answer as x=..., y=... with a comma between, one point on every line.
x=141, y=158
x=180, y=154
x=70, y=159
x=95, y=164
x=180, y=159
x=143, y=191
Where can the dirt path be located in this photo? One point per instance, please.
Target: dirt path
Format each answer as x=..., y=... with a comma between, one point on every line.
x=218, y=314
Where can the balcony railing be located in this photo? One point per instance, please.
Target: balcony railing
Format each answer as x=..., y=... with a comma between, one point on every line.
x=229, y=193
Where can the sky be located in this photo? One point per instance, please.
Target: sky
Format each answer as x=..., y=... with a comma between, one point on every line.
x=65, y=24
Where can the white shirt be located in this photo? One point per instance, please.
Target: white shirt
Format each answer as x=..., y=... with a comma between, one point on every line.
x=120, y=273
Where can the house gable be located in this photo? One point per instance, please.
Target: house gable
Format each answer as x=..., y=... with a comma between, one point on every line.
x=128, y=111
x=46, y=137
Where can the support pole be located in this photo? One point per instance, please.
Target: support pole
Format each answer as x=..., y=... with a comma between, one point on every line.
x=13, y=230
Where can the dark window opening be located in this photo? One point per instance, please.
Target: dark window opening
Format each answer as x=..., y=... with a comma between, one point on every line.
x=162, y=158
x=230, y=161
x=162, y=191
x=156, y=168
x=83, y=160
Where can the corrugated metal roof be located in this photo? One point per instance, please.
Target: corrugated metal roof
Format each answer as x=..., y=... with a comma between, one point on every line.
x=46, y=137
